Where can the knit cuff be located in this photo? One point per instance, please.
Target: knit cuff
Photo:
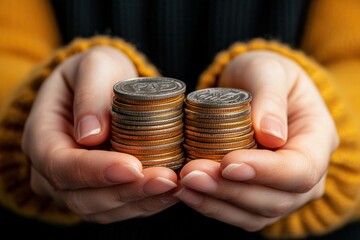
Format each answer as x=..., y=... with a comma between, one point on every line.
x=15, y=190
x=341, y=197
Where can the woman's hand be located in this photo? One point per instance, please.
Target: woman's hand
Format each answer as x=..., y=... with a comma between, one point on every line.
x=254, y=188
x=68, y=124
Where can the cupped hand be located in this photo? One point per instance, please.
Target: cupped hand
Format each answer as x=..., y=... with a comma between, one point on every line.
x=65, y=135
x=253, y=188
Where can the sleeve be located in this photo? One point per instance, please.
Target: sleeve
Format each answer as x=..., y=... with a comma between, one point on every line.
x=28, y=34
x=330, y=55
x=15, y=190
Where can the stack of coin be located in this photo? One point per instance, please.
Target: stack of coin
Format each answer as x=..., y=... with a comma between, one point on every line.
x=147, y=120
x=217, y=121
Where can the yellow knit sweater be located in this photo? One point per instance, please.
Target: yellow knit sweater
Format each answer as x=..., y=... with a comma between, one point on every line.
x=330, y=54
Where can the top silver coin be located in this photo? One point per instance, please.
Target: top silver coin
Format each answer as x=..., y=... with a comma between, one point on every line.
x=218, y=97
x=149, y=88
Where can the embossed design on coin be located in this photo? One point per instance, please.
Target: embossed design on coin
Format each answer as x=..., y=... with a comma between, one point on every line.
x=149, y=88
x=224, y=97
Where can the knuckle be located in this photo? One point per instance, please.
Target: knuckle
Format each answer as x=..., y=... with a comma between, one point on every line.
x=280, y=207
x=210, y=210
x=74, y=203
x=146, y=208
x=308, y=177
x=98, y=218
x=268, y=64
x=254, y=226
x=82, y=175
x=94, y=57
x=335, y=138
x=34, y=185
x=83, y=96
x=124, y=196
x=311, y=180
x=319, y=191
x=275, y=97
x=48, y=168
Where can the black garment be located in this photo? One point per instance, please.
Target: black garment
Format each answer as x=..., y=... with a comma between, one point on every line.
x=181, y=37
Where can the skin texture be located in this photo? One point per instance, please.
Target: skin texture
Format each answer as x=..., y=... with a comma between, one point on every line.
x=254, y=188
x=69, y=124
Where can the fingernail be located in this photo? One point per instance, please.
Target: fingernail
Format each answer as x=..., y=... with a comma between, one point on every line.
x=87, y=126
x=121, y=173
x=200, y=181
x=273, y=126
x=158, y=185
x=238, y=172
x=189, y=197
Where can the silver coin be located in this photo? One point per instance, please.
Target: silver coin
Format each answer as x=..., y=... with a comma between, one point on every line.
x=149, y=88
x=219, y=97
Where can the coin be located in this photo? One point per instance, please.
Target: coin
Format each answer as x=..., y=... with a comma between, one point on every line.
x=149, y=88
x=217, y=121
x=218, y=97
x=147, y=120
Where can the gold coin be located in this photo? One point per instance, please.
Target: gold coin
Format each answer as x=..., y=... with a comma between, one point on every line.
x=117, y=117
x=223, y=139
x=189, y=159
x=173, y=165
x=137, y=151
x=193, y=115
x=148, y=132
x=162, y=160
x=218, y=125
x=137, y=113
x=147, y=101
x=148, y=157
x=146, y=137
x=219, y=145
x=200, y=135
x=216, y=120
x=146, y=147
x=148, y=123
x=146, y=128
x=147, y=142
x=151, y=107
x=205, y=156
x=215, y=150
x=239, y=130
x=216, y=110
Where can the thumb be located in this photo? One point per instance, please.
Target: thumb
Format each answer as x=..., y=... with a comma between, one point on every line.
x=96, y=73
x=265, y=78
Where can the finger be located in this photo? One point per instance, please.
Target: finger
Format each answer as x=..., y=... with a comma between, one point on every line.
x=88, y=201
x=268, y=82
x=80, y=168
x=141, y=208
x=303, y=160
x=286, y=170
x=223, y=211
x=260, y=200
x=92, y=80
x=54, y=154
